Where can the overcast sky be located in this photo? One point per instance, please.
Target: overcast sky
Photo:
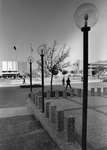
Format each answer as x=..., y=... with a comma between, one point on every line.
x=43, y=21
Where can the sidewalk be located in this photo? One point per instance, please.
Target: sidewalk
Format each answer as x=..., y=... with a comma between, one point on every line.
x=96, y=123
x=19, y=130
x=57, y=137
x=18, y=82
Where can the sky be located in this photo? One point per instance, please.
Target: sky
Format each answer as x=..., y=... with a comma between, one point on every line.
x=34, y=22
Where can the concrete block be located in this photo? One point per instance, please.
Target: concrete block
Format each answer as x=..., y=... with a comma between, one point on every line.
x=75, y=92
x=69, y=127
x=40, y=93
x=60, y=93
x=48, y=94
x=40, y=102
x=56, y=94
x=45, y=94
x=104, y=90
x=47, y=109
x=82, y=92
x=72, y=92
x=64, y=94
x=52, y=94
x=79, y=92
x=92, y=91
x=59, y=120
x=33, y=97
x=98, y=91
x=36, y=98
x=52, y=110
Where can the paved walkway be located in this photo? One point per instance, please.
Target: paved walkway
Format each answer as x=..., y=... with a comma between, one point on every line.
x=19, y=130
x=97, y=115
x=96, y=123
x=18, y=82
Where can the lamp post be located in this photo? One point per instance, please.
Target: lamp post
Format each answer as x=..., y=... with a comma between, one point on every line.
x=15, y=48
x=42, y=52
x=85, y=17
x=30, y=61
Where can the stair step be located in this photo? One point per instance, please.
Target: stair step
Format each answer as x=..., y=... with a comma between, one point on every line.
x=17, y=119
x=36, y=140
x=19, y=125
x=24, y=133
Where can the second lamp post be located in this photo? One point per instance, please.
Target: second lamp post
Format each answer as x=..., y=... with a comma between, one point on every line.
x=42, y=51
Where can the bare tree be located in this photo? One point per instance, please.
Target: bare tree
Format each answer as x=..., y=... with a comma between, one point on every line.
x=54, y=60
x=34, y=73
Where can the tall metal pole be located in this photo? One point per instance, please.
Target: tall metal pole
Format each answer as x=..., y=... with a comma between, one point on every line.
x=16, y=60
x=85, y=30
x=42, y=80
x=30, y=76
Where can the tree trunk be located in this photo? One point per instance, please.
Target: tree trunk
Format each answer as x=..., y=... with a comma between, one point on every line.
x=51, y=82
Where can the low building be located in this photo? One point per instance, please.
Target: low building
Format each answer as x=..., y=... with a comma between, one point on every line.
x=98, y=63
x=12, y=68
x=99, y=67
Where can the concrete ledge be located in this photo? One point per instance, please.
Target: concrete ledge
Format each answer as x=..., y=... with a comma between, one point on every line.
x=16, y=111
x=58, y=137
x=28, y=86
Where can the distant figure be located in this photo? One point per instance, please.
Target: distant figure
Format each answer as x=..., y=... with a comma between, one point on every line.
x=68, y=83
x=63, y=81
x=24, y=80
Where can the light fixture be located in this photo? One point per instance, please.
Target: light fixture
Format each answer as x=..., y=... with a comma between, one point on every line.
x=85, y=17
x=86, y=12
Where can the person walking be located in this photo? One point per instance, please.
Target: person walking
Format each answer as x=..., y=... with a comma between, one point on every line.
x=24, y=80
x=63, y=81
x=68, y=83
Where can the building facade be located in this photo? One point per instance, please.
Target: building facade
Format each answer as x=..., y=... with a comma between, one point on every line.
x=13, y=68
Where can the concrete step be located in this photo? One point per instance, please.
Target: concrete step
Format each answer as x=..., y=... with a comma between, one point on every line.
x=17, y=125
x=23, y=133
x=38, y=140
